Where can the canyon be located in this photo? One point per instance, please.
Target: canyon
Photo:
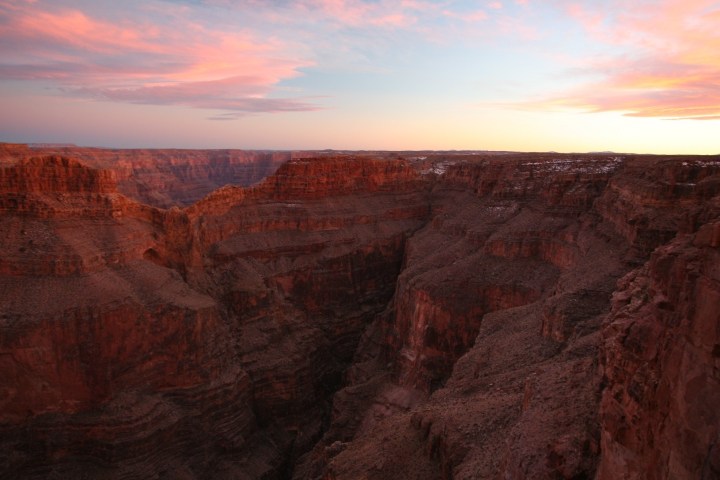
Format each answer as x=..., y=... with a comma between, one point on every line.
x=226, y=314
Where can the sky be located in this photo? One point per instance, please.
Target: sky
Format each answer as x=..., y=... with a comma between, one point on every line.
x=524, y=75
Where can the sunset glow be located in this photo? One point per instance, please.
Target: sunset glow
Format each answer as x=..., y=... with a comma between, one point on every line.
x=564, y=75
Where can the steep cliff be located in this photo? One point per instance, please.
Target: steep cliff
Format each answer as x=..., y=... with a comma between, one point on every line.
x=485, y=365
x=661, y=345
x=105, y=355
x=358, y=316
x=484, y=337
x=170, y=177
x=218, y=333
x=303, y=262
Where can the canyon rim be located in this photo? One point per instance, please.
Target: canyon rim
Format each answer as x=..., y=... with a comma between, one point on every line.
x=229, y=314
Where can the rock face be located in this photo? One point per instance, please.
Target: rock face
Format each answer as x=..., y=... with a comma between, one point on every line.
x=105, y=355
x=661, y=346
x=486, y=331
x=166, y=178
x=358, y=316
x=218, y=332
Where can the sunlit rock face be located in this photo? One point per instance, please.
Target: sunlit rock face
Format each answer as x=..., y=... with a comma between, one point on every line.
x=357, y=316
x=166, y=178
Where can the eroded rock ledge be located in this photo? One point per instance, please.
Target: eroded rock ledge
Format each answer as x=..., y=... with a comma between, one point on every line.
x=369, y=316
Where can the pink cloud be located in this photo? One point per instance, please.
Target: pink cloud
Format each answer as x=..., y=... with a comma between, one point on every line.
x=414, y=15
x=180, y=62
x=469, y=17
x=359, y=13
x=670, y=68
x=75, y=29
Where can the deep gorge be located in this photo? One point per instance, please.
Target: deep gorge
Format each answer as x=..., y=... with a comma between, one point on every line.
x=358, y=315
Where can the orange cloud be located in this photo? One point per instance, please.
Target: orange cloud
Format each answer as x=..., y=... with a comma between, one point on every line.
x=671, y=67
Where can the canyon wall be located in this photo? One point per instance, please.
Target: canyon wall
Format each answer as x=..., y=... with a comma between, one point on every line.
x=491, y=360
x=166, y=178
x=199, y=343
x=358, y=316
x=104, y=355
x=661, y=345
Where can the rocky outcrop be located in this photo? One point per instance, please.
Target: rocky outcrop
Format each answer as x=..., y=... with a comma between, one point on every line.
x=113, y=368
x=357, y=316
x=303, y=267
x=505, y=247
x=54, y=186
x=61, y=217
x=661, y=345
x=55, y=174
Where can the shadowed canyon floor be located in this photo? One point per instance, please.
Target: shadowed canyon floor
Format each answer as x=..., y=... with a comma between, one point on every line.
x=358, y=316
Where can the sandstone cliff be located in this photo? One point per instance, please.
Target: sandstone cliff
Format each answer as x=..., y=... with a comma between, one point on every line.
x=105, y=355
x=661, y=345
x=166, y=178
x=218, y=333
x=358, y=316
x=487, y=363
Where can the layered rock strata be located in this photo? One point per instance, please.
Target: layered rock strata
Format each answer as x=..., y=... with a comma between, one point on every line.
x=661, y=344
x=218, y=333
x=166, y=178
x=435, y=316
x=487, y=364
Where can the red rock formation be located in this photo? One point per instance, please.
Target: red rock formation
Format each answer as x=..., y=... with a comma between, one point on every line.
x=309, y=264
x=54, y=186
x=104, y=355
x=238, y=356
x=521, y=400
x=503, y=249
x=170, y=177
x=357, y=316
x=659, y=412
x=650, y=200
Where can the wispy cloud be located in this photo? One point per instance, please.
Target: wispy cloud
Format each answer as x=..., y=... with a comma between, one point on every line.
x=177, y=61
x=670, y=65
x=363, y=14
x=471, y=17
x=213, y=54
x=233, y=56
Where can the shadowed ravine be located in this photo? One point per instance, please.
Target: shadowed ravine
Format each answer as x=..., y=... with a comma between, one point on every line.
x=374, y=315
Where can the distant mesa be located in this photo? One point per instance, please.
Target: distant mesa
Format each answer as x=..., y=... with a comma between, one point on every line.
x=51, y=145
